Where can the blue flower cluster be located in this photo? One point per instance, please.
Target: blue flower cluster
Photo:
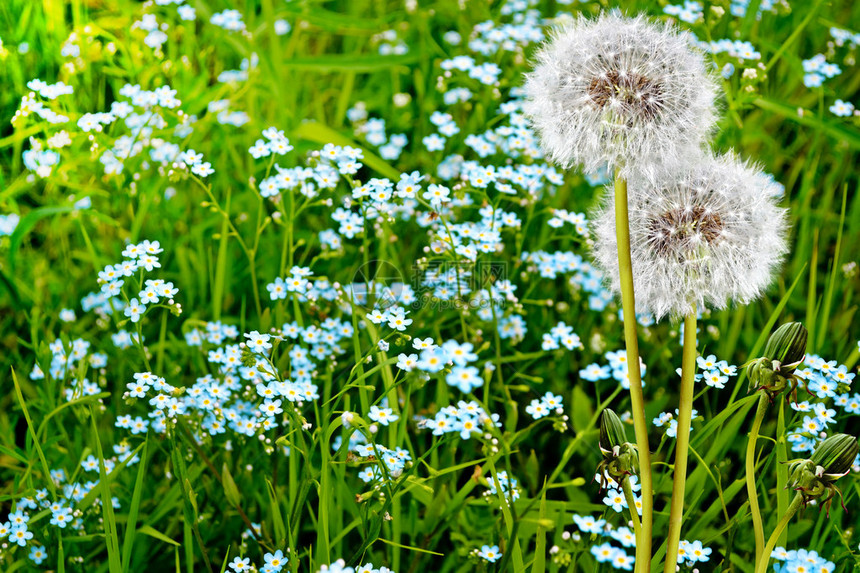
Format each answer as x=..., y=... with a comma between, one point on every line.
x=506, y=485
x=829, y=384
x=63, y=503
x=800, y=561
x=817, y=69
x=548, y=404
x=465, y=419
x=339, y=566
x=272, y=563
x=373, y=131
x=617, y=369
x=715, y=373
x=669, y=420
x=689, y=552
x=690, y=11
x=615, y=498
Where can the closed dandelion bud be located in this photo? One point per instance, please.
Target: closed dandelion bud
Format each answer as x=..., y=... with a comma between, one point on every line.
x=836, y=455
x=783, y=353
x=612, y=433
x=787, y=345
x=815, y=478
x=620, y=458
x=761, y=370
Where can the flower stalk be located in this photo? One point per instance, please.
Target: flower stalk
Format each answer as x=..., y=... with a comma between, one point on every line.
x=637, y=401
x=814, y=479
x=758, y=526
x=770, y=376
x=761, y=566
x=631, y=505
x=682, y=445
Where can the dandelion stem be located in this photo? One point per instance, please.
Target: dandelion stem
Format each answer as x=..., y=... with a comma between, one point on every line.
x=761, y=566
x=682, y=445
x=637, y=402
x=631, y=505
x=758, y=527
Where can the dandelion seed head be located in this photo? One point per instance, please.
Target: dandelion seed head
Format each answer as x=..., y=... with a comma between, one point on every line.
x=707, y=235
x=620, y=92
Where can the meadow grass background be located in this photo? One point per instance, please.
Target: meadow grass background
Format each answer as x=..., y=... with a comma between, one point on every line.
x=304, y=83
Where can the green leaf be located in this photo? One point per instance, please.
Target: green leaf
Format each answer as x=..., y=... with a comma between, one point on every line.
x=277, y=520
x=64, y=405
x=336, y=21
x=148, y=530
x=12, y=453
x=847, y=135
x=192, y=496
x=410, y=548
x=26, y=224
x=131, y=522
x=539, y=565
x=581, y=415
x=111, y=537
x=230, y=489
x=47, y=473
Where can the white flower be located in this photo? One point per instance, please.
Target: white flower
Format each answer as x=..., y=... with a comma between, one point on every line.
x=699, y=238
x=620, y=92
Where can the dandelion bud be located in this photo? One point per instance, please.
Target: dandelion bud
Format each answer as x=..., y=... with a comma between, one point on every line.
x=814, y=478
x=612, y=434
x=620, y=457
x=836, y=454
x=787, y=346
x=783, y=353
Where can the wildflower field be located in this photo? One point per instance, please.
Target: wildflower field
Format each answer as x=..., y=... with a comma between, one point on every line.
x=356, y=286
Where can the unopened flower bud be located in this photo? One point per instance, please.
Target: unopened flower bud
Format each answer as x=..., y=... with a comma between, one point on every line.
x=612, y=433
x=783, y=353
x=787, y=346
x=620, y=458
x=836, y=454
x=815, y=478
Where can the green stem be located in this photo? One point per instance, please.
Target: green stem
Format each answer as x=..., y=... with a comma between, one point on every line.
x=682, y=443
x=758, y=527
x=162, y=343
x=637, y=401
x=781, y=469
x=631, y=505
x=761, y=567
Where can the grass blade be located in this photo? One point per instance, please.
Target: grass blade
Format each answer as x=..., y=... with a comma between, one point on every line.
x=131, y=523
x=111, y=537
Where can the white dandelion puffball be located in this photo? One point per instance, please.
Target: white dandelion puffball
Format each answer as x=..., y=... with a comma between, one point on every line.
x=700, y=238
x=622, y=93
